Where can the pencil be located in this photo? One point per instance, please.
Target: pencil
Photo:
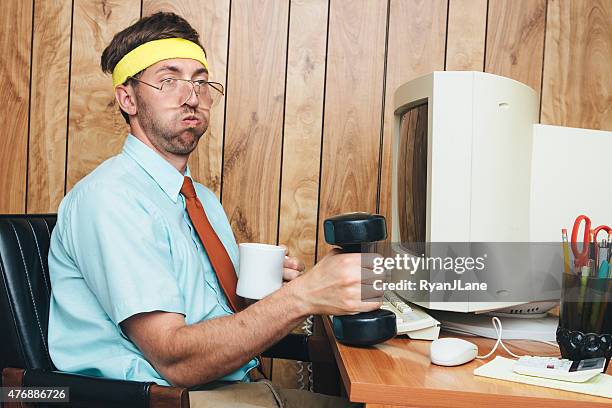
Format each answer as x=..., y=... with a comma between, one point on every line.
x=582, y=304
x=566, y=257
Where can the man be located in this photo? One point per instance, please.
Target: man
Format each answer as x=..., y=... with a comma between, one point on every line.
x=143, y=260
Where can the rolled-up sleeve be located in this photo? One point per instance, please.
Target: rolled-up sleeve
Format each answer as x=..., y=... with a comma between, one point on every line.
x=120, y=245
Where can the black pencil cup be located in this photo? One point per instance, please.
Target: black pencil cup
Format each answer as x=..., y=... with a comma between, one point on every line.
x=585, y=318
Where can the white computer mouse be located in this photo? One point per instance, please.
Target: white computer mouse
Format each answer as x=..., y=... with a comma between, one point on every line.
x=450, y=351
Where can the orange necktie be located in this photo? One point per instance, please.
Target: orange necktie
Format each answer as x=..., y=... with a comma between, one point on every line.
x=219, y=259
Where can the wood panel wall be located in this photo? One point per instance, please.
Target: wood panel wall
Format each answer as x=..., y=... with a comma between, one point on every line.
x=353, y=107
x=418, y=29
x=577, y=78
x=305, y=128
x=16, y=51
x=49, y=104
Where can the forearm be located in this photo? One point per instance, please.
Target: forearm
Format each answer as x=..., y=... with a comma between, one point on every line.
x=205, y=351
x=202, y=352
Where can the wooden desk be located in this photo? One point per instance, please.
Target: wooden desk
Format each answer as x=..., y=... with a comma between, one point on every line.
x=399, y=373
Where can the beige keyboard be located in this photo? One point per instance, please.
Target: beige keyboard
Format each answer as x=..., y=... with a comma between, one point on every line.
x=411, y=319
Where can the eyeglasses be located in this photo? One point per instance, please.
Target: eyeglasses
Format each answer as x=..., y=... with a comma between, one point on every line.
x=181, y=89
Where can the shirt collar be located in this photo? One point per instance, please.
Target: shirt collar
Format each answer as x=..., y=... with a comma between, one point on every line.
x=165, y=175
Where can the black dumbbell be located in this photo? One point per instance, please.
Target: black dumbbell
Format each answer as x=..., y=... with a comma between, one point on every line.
x=350, y=231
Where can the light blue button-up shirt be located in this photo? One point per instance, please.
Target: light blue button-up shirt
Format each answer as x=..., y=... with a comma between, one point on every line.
x=123, y=244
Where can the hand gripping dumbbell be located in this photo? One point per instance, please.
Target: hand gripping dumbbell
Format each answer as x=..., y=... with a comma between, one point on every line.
x=350, y=231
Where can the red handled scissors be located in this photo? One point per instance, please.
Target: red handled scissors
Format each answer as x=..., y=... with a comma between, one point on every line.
x=582, y=255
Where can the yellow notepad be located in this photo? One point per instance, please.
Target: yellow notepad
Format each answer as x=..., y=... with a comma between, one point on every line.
x=501, y=369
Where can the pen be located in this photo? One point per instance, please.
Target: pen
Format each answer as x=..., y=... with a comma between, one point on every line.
x=609, y=254
x=604, y=270
x=598, y=300
x=609, y=257
x=584, y=279
x=603, y=292
x=593, y=252
x=604, y=267
x=566, y=257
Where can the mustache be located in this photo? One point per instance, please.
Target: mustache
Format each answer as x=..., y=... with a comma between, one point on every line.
x=189, y=112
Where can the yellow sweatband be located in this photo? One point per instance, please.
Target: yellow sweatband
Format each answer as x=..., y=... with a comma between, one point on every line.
x=152, y=52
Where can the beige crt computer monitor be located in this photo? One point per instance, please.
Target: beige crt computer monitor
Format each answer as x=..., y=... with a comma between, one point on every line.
x=461, y=173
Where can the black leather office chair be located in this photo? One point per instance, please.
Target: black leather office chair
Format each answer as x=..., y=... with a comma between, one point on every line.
x=25, y=290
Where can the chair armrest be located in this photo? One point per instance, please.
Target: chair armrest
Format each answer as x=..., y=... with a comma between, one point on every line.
x=302, y=347
x=291, y=347
x=87, y=391
x=13, y=378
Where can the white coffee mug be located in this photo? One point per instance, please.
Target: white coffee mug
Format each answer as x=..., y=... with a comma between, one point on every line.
x=261, y=270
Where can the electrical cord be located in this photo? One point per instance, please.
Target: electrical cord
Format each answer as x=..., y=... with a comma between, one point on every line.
x=499, y=330
x=497, y=324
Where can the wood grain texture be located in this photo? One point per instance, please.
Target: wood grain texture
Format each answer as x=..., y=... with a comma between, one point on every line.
x=255, y=99
x=577, y=88
x=303, y=121
x=416, y=47
x=211, y=20
x=49, y=106
x=399, y=371
x=353, y=109
x=515, y=40
x=96, y=128
x=13, y=377
x=168, y=397
x=412, y=167
x=302, y=143
x=15, y=47
x=467, y=20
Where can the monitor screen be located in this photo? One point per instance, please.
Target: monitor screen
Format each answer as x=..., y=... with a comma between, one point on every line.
x=412, y=175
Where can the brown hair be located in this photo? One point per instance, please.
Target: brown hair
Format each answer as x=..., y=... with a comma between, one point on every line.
x=154, y=27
